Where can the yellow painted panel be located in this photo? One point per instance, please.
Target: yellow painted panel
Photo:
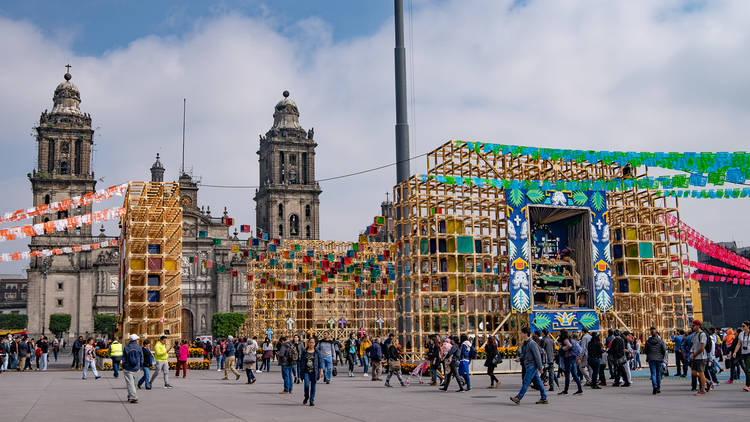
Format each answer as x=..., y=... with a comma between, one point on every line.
x=635, y=286
x=137, y=264
x=170, y=265
x=630, y=234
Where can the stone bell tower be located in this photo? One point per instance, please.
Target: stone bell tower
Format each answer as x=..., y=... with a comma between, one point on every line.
x=287, y=201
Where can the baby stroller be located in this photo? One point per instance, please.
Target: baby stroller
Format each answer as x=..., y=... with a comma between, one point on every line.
x=418, y=371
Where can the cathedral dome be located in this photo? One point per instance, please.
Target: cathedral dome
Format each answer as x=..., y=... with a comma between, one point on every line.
x=67, y=98
x=286, y=114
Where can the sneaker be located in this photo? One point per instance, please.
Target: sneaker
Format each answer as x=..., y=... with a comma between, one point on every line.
x=312, y=404
x=515, y=400
x=133, y=401
x=700, y=393
x=168, y=386
x=730, y=381
x=746, y=388
x=304, y=401
x=237, y=377
x=365, y=375
x=96, y=378
x=543, y=401
x=578, y=392
x=387, y=384
x=562, y=392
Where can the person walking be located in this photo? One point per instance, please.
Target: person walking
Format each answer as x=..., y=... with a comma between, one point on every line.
x=327, y=350
x=450, y=352
x=23, y=354
x=148, y=362
x=375, y=353
x=351, y=351
x=288, y=358
x=312, y=362
x=583, y=360
x=679, y=359
x=531, y=357
x=267, y=355
x=89, y=358
x=548, y=345
x=182, y=356
x=571, y=350
x=44, y=348
x=468, y=352
x=218, y=352
x=239, y=354
x=229, y=359
x=300, y=346
x=249, y=357
x=433, y=357
x=742, y=351
x=656, y=352
x=131, y=364
x=616, y=352
x=115, y=353
x=698, y=357
x=75, y=350
x=395, y=356
x=363, y=346
x=55, y=347
x=160, y=356
x=594, y=351
x=493, y=358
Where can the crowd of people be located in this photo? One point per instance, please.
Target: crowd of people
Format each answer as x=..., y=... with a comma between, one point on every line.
x=547, y=362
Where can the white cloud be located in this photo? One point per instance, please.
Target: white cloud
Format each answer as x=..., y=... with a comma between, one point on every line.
x=601, y=75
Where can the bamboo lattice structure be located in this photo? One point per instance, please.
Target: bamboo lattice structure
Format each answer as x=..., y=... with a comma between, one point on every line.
x=310, y=287
x=452, y=249
x=151, y=251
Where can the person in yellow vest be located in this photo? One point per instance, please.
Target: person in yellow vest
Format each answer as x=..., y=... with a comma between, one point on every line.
x=115, y=352
x=160, y=356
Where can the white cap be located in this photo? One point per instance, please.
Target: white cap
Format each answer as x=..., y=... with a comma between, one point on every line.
x=230, y=338
x=134, y=337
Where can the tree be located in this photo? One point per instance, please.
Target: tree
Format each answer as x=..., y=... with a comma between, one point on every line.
x=13, y=321
x=105, y=324
x=225, y=324
x=59, y=323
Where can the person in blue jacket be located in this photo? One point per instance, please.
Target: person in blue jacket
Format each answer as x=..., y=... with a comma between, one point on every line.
x=131, y=364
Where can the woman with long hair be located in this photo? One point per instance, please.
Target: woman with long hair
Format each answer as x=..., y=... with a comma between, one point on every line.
x=569, y=360
x=492, y=360
x=267, y=348
x=312, y=370
x=182, y=356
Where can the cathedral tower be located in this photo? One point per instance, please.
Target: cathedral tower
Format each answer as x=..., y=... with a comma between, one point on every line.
x=287, y=200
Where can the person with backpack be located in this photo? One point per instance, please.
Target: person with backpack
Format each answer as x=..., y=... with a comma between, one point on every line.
x=327, y=351
x=218, y=352
x=451, y=358
x=571, y=350
x=701, y=343
x=249, y=359
x=131, y=364
x=594, y=352
x=656, y=352
x=229, y=359
x=468, y=352
x=741, y=352
x=375, y=354
x=288, y=356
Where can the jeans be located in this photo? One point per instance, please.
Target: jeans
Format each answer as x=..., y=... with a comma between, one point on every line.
x=680, y=364
x=76, y=358
x=116, y=366
x=286, y=375
x=434, y=372
x=550, y=370
x=13, y=362
x=238, y=364
x=4, y=366
x=327, y=367
x=532, y=375
x=44, y=361
x=249, y=373
x=464, y=372
x=163, y=367
x=365, y=363
x=55, y=351
x=146, y=378
x=571, y=369
x=310, y=381
x=90, y=364
x=130, y=383
x=655, y=367
x=300, y=369
x=595, y=365
x=219, y=362
x=265, y=364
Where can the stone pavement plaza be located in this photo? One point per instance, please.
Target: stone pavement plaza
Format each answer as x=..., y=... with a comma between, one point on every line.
x=60, y=395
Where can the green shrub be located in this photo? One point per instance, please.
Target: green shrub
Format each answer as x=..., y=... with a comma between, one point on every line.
x=105, y=324
x=225, y=324
x=13, y=321
x=59, y=323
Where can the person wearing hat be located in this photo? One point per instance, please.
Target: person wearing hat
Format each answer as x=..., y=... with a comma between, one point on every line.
x=698, y=357
x=132, y=359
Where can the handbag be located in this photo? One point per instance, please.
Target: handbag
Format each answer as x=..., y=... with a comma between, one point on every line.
x=335, y=371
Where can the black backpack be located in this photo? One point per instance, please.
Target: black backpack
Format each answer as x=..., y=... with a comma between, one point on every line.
x=709, y=344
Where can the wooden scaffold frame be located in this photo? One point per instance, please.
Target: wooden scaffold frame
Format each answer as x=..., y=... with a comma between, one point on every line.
x=309, y=287
x=151, y=251
x=452, y=248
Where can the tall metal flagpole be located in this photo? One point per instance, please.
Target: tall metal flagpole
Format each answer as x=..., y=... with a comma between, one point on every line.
x=402, y=125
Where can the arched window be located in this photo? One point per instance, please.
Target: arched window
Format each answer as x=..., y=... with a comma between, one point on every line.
x=307, y=232
x=281, y=230
x=307, y=211
x=46, y=199
x=293, y=225
x=281, y=210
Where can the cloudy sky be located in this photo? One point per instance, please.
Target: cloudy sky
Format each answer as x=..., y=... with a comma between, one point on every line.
x=670, y=75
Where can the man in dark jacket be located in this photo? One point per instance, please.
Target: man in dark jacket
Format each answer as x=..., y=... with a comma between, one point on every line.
x=656, y=352
x=288, y=357
x=132, y=360
x=531, y=358
x=616, y=354
x=549, y=349
x=375, y=354
x=76, y=352
x=23, y=353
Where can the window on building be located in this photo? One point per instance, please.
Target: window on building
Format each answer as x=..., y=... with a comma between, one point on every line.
x=281, y=230
x=304, y=168
x=281, y=210
x=59, y=286
x=293, y=225
x=46, y=199
x=64, y=149
x=64, y=167
x=307, y=232
x=282, y=168
x=51, y=156
x=292, y=177
x=78, y=158
x=307, y=212
x=59, y=303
